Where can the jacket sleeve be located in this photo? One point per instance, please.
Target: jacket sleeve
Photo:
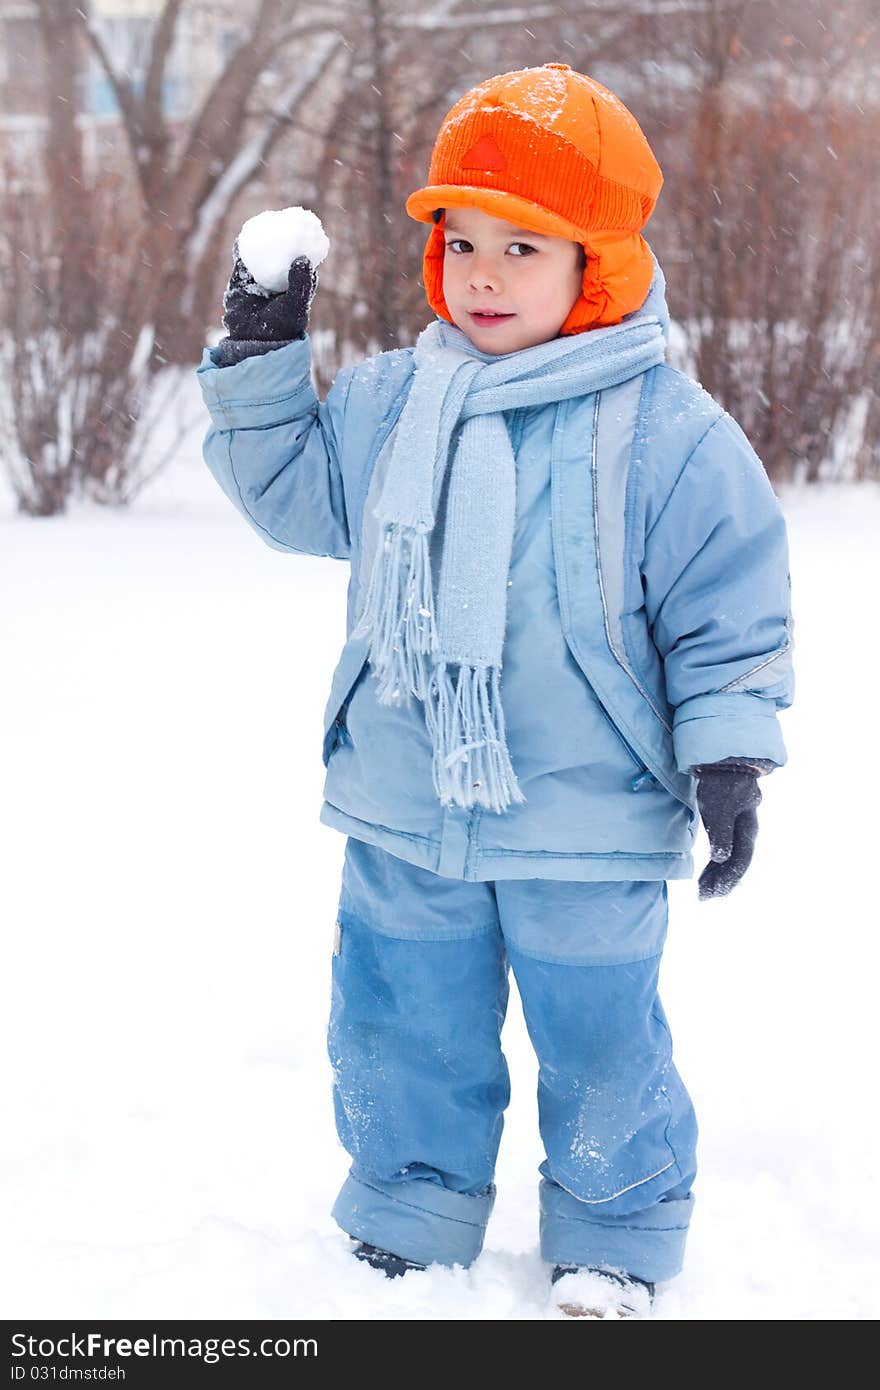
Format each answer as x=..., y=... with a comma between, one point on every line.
x=718, y=597
x=274, y=448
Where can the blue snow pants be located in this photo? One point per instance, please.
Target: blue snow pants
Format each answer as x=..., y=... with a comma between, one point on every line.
x=420, y=1083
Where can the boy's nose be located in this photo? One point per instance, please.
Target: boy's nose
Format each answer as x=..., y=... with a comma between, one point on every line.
x=481, y=283
x=484, y=276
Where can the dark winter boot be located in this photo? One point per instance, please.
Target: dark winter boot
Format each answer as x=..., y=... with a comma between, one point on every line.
x=581, y=1291
x=393, y=1265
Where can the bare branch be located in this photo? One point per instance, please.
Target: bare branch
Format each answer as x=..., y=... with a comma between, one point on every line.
x=122, y=89
x=163, y=40
x=528, y=14
x=488, y=18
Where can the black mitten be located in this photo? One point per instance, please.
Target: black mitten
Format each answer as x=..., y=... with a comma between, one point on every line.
x=258, y=320
x=728, y=797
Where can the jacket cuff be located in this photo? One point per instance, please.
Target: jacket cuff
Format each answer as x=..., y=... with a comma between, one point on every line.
x=231, y=350
x=709, y=728
x=757, y=765
x=269, y=389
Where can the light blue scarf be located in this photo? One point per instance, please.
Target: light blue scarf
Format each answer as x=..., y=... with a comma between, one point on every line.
x=445, y=645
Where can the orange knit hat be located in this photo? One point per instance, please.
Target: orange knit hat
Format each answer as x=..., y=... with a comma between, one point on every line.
x=554, y=151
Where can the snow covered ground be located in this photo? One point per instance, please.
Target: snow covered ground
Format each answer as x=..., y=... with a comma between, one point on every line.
x=168, y=899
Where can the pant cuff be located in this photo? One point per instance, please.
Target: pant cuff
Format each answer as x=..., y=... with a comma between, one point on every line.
x=419, y=1220
x=647, y=1243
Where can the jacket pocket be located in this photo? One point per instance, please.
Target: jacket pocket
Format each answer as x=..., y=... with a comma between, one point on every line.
x=349, y=670
x=643, y=776
x=624, y=689
x=338, y=732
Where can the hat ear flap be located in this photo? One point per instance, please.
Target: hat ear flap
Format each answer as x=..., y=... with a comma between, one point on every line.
x=432, y=270
x=616, y=281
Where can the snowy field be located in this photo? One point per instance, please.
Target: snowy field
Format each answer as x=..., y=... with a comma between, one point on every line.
x=168, y=899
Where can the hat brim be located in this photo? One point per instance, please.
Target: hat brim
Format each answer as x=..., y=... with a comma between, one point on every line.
x=510, y=207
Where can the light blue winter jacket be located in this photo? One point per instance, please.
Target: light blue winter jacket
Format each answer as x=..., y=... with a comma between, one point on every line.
x=649, y=622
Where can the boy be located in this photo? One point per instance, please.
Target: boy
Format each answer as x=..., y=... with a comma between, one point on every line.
x=530, y=482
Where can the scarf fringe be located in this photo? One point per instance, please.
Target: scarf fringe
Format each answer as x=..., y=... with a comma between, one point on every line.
x=465, y=719
x=399, y=612
x=464, y=715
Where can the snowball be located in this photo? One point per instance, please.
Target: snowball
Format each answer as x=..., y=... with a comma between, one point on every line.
x=270, y=241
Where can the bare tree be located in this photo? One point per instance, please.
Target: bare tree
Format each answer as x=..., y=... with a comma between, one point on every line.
x=103, y=269
x=770, y=236
x=142, y=239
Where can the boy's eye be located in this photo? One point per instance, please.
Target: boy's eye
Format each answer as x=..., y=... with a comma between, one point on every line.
x=459, y=241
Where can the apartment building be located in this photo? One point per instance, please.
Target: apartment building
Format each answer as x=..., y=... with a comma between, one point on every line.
x=202, y=41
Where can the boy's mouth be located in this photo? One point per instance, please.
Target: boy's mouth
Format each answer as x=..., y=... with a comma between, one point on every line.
x=484, y=318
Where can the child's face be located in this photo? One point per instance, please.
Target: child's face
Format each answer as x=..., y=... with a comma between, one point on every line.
x=492, y=264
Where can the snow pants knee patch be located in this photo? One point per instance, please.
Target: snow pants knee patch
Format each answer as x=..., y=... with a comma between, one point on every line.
x=604, y=923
